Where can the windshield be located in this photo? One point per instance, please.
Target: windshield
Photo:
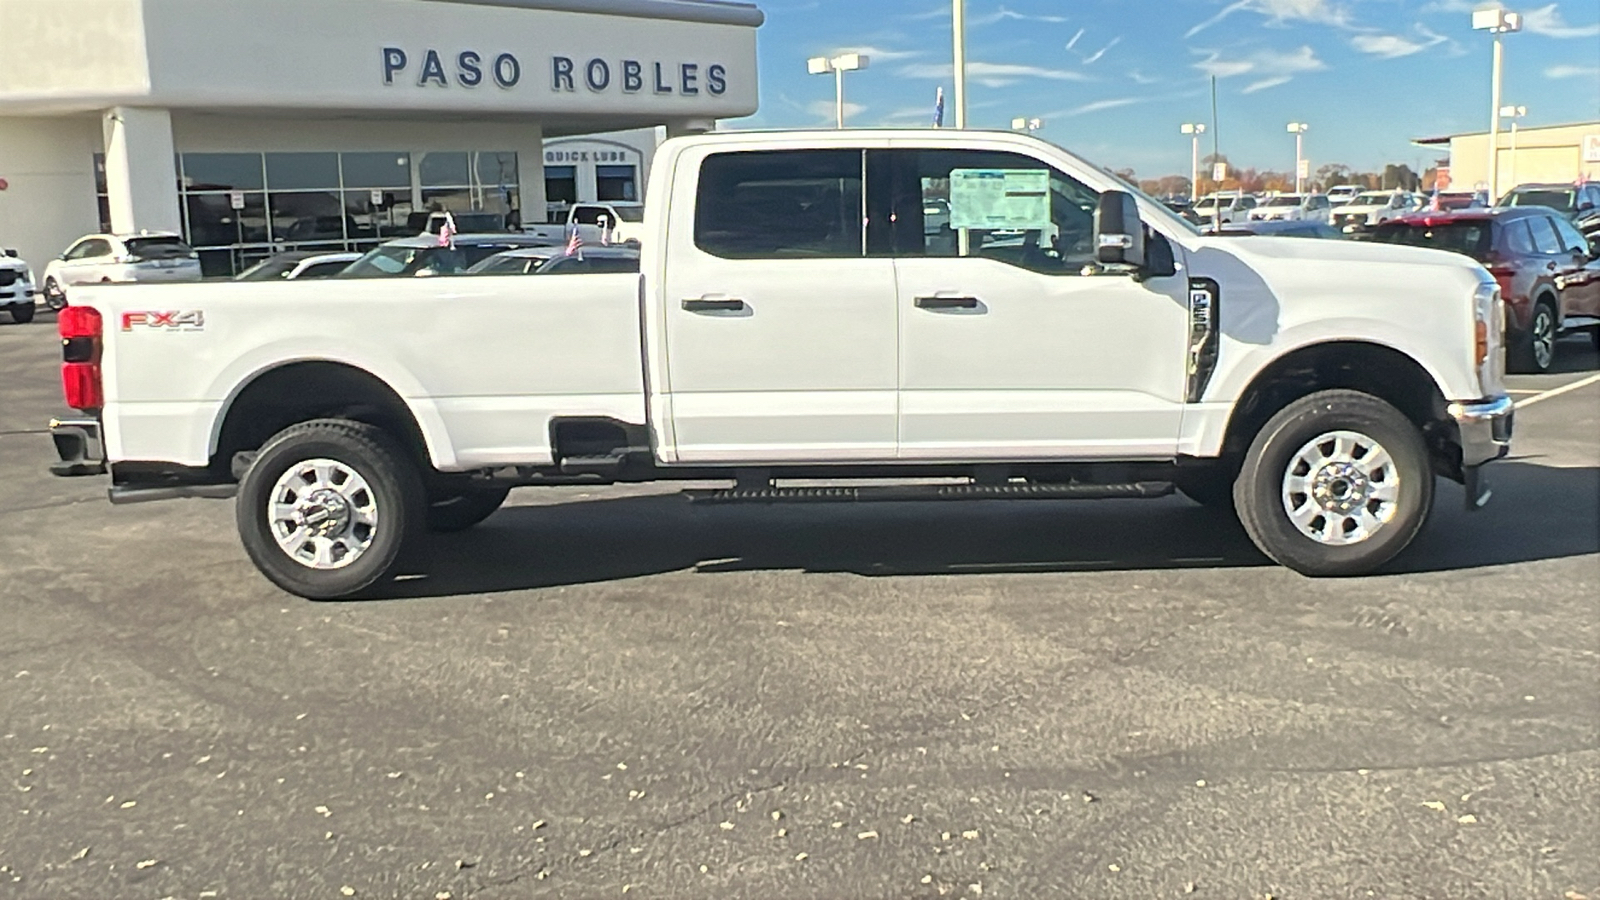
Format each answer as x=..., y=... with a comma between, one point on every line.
x=392, y=260
x=1378, y=199
x=1289, y=200
x=1555, y=199
x=158, y=248
x=501, y=264
x=1470, y=238
x=630, y=213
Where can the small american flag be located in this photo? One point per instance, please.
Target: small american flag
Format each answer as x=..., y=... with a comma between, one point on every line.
x=938, y=108
x=574, y=241
x=1435, y=204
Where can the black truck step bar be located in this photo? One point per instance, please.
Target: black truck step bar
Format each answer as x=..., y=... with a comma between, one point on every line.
x=899, y=492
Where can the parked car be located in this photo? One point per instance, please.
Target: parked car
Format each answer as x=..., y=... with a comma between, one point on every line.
x=298, y=264
x=593, y=259
x=1224, y=207
x=625, y=222
x=1292, y=208
x=1314, y=388
x=1454, y=200
x=1371, y=209
x=1342, y=194
x=16, y=288
x=1537, y=257
x=1574, y=201
x=521, y=261
x=149, y=256
x=424, y=256
x=466, y=222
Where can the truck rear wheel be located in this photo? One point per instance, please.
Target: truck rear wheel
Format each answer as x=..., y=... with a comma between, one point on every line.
x=462, y=511
x=22, y=313
x=1337, y=483
x=327, y=507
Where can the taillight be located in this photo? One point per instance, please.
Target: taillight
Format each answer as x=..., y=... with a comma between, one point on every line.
x=81, y=330
x=1482, y=354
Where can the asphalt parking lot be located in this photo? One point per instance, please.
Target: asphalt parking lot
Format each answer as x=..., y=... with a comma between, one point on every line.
x=601, y=693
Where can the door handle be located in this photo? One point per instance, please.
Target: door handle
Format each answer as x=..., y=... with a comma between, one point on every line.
x=705, y=304
x=947, y=302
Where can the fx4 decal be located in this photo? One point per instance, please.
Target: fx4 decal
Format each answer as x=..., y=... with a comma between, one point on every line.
x=187, y=320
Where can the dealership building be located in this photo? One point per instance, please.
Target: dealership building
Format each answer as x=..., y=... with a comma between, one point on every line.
x=253, y=126
x=1543, y=154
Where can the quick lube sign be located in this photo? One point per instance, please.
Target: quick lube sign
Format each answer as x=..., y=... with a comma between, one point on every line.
x=470, y=69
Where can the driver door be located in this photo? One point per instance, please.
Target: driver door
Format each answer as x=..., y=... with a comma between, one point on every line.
x=1014, y=344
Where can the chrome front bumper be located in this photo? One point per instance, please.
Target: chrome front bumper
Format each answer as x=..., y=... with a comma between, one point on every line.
x=1485, y=427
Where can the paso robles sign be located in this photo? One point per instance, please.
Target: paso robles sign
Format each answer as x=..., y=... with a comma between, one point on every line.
x=470, y=69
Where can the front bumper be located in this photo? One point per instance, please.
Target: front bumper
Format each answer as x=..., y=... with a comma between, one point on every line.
x=1485, y=426
x=80, y=447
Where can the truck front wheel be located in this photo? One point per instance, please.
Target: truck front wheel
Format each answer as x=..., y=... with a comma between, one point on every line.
x=1337, y=483
x=327, y=507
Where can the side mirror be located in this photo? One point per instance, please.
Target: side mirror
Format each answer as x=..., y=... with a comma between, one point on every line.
x=1118, y=233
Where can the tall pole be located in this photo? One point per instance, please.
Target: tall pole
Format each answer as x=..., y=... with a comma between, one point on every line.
x=1513, y=178
x=838, y=96
x=1194, y=169
x=1216, y=155
x=1299, y=154
x=958, y=24
x=1494, y=121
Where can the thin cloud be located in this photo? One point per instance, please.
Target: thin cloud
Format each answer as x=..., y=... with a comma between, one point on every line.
x=1279, y=12
x=1269, y=63
x=1099, y=106
x=823, y=111
x=1572, y=72
x=1547, y=21
x=879, y=54
x=1002, y=14
x=1076, y=38
x=1265, y=83
x=1094, y=57
x=1395, y=46
x=992, y=74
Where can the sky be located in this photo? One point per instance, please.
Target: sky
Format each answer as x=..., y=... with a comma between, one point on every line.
x=1113, y=80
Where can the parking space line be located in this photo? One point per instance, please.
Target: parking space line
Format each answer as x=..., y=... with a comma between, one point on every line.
x=1556, y=392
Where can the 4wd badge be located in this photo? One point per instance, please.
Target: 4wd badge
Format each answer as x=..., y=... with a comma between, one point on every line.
x=187, y=320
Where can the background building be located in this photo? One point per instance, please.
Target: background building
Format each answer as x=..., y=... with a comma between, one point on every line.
x=252, y=126
x=1555, y=153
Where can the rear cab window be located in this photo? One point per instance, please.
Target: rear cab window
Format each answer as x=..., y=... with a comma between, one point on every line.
x=781, y=204
x=158, y=248
x=1470, y=237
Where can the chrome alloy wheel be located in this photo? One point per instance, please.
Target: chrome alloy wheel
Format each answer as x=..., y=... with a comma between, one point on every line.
x=1341, y=488
x=323, y=514
x=1542, y=333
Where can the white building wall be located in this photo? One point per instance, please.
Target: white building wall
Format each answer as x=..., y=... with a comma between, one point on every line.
x=49, y=200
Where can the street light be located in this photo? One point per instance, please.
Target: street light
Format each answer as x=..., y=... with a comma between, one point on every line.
x=1025, y=124
x=838, y=65
x=1301, y=169
x=1497, y=21
x=958, y=29
x=1513, y=113
x=1194, y=130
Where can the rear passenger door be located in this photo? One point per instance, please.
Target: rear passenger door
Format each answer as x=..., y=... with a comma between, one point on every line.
x=780, y=333
x=1580, y=286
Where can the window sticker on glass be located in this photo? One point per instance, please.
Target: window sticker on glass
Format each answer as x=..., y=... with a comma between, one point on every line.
x=1009, y=199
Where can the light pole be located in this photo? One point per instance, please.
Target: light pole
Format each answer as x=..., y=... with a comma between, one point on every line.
x=958, y=29
x=1298, y=129
x=1497, y=21
x=1194, y=130
x=1513, y=113
x=1025, y=124
x=838, y=65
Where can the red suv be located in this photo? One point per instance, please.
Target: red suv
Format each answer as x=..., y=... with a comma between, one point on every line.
x=1535, y=254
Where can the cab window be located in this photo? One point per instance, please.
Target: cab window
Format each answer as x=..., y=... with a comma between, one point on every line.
x=921, y=201
x=780, y=204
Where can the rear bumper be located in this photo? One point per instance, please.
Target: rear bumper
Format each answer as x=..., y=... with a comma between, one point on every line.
x=1485, y=426
x=80, y=447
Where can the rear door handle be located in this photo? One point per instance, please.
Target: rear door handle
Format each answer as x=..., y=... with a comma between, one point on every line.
x=704, y=304
x=947, y=302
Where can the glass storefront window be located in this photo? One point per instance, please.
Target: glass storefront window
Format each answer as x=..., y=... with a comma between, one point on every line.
x=223, y=172
x=444, y=170
x=300, y=216
x=212, y=221
x=561, y=184
x=302, y=171
x=376, y=170
x=616, y=183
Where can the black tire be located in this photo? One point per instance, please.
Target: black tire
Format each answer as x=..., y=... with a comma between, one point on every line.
x=22, y=314
x=54, y=296
x=462, y=511
x=1535, y=352
x=1261, y=493
x=396, y=492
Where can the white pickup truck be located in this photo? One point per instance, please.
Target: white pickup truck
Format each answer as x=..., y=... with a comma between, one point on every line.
x=595, y=222
x=798, y=317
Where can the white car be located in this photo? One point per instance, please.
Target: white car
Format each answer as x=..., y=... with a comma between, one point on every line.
x=149, y=256
x=16, y=288
x=1221, y=208
x=1344, y=193
x=1292, y=208
x=1371, y=209
x=298, y=264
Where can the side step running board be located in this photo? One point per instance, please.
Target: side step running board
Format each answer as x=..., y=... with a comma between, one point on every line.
x=894, y=492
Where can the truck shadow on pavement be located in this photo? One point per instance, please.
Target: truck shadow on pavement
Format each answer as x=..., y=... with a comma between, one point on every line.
x=1538, y=512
